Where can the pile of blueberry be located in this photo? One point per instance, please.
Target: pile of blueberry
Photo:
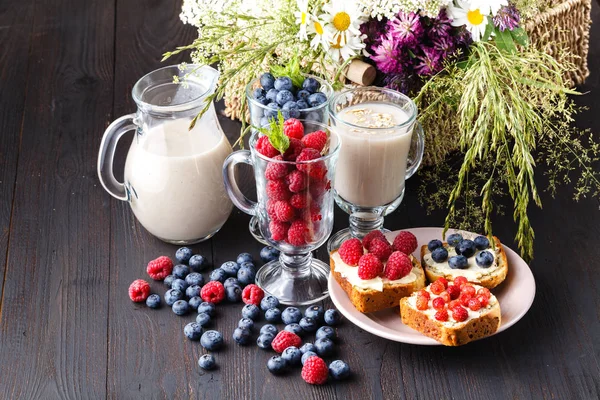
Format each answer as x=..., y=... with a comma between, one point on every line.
x=465, y=249
x=281, y=94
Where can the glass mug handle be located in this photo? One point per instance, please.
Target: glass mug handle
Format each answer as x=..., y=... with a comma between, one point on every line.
x=235, y=194
x=111, y=136
x=417, y=148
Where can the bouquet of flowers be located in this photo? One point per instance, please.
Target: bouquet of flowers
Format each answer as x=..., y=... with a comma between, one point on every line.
x=492, y=106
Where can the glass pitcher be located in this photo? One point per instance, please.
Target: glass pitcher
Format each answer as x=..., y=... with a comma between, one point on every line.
x=173, y=180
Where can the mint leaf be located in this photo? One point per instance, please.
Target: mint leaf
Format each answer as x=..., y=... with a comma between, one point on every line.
x=274, y=132
x=504, y=41
x=291, y=70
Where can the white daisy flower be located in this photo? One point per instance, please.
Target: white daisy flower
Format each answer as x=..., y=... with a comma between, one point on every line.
x=302, y=18
x=317, y=27
x=474, y=19
x=342, y=21
x=487, y=7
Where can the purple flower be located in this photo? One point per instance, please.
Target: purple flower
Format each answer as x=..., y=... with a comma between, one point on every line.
x=429, y=63
x=386, y=56
x=441, y=25
x=402, y=83
x=444, y=45
x=406, y=28
x=507, y=18
x=375, y=31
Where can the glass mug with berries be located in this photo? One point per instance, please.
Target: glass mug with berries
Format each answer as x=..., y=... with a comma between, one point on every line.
x=294, y=164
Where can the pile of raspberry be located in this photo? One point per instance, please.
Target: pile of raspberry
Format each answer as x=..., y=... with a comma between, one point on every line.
x=295, y=192
x=375, y=256
x=452, y=299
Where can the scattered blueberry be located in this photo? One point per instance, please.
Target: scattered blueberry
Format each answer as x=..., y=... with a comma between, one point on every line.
x=311, y=85
x=169, y=280
x=273, y=315
x=291, y=315
x=303, y=95
x=153, y=301
x=231, y=281
x=272, y=95
x=290, y=110
x=193, y=291
x=439, y=255
x=271, y=111
x=302, y=104
x=454, y=239
x=242, y=336
x=264, y=340
x=246, y=276
x=207, y=362
x=316, y=99
x=269, y=253
x=294, y=328
x=230, y=267
x=325, y=332
x=246, y=323
x=267, y=81
x=268, y=302
x=458, y=262
x=484, y=259
x=198, y=263
x=292, y=355
x=308, y=324
x=339, y=370
x=466, y=248
x=332, y=317
x=203, y=319
x=307, y=355
x=283, y=83
x=248, y=264
x=172, y=295
x=206, y=307
x=193, y=331
x=179, y=284
x=218, y=275
x=276, y=365
x=268, y=328
x=251, y=311
x=181, y=271
x=324, y=347
x=308, y=347
x=262, y=100
x=233, y=293
x=481, y=242
x=259, y=92
x=183, y=255
x=194, y=302
x=180, y=307
x=434, y=244
x=211, y=340
x=284, y=96
x=315, y=312
x=195, y=278
x=244, y=257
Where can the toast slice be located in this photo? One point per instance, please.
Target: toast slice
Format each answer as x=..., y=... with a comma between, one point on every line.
x=480, y=324
x=386, y=295
x=486, y=277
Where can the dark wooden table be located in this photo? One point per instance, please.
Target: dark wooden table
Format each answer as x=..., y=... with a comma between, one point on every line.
x=68, y=250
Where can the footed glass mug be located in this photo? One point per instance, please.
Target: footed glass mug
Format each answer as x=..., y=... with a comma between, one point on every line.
x=382, y=146
x=173, y=176
x=295, y=215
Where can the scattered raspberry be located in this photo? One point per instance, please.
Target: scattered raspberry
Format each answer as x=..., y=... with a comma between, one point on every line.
x=474, y=304
x=264, y=147
x=460, y=280
x=285, y=339
x=422, y=303
x=436, y=288
x=299, y=200
x=213, y=292
x=316, y=169
x=316, y=140
x=278, y=190
x=293, y=128
x=298, y=233
x=278, y=230
x=460, y=314
x=294, y=150
x=424, y=293
x=444, y=295
x=252, y=294
x=484, y=292
x=441, y=315
x=372, y=235
x=381, y=248
x=271, y=210
x=139, y=290
x=405, y=242
x=453, y=304
x=296, y=181
x=284, y=211
x=453, y=291
x=351, y=251
x=438, y=303
x=160, y=268
x=369, y=267
x=444, y=281
x=398, y=265
x=464, y=299
x=468, y=289
x=315, y=371
x=276, y=170
x=483, y=300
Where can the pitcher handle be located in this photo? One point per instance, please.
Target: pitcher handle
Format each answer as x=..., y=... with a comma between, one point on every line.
x=415, y=159
x=237, y=197
x=111, y=136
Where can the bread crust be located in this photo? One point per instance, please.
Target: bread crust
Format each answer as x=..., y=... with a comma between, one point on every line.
x=488, y=281
x=474, y=329
x=368, y=300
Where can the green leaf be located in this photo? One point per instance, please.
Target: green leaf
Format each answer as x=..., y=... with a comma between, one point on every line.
x=291, y=70
x=519, y=35
x=488, y=30
x=504, y=41
x=274, y=132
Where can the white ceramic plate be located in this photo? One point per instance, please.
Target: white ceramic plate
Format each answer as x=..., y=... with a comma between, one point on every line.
x=515, y=295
